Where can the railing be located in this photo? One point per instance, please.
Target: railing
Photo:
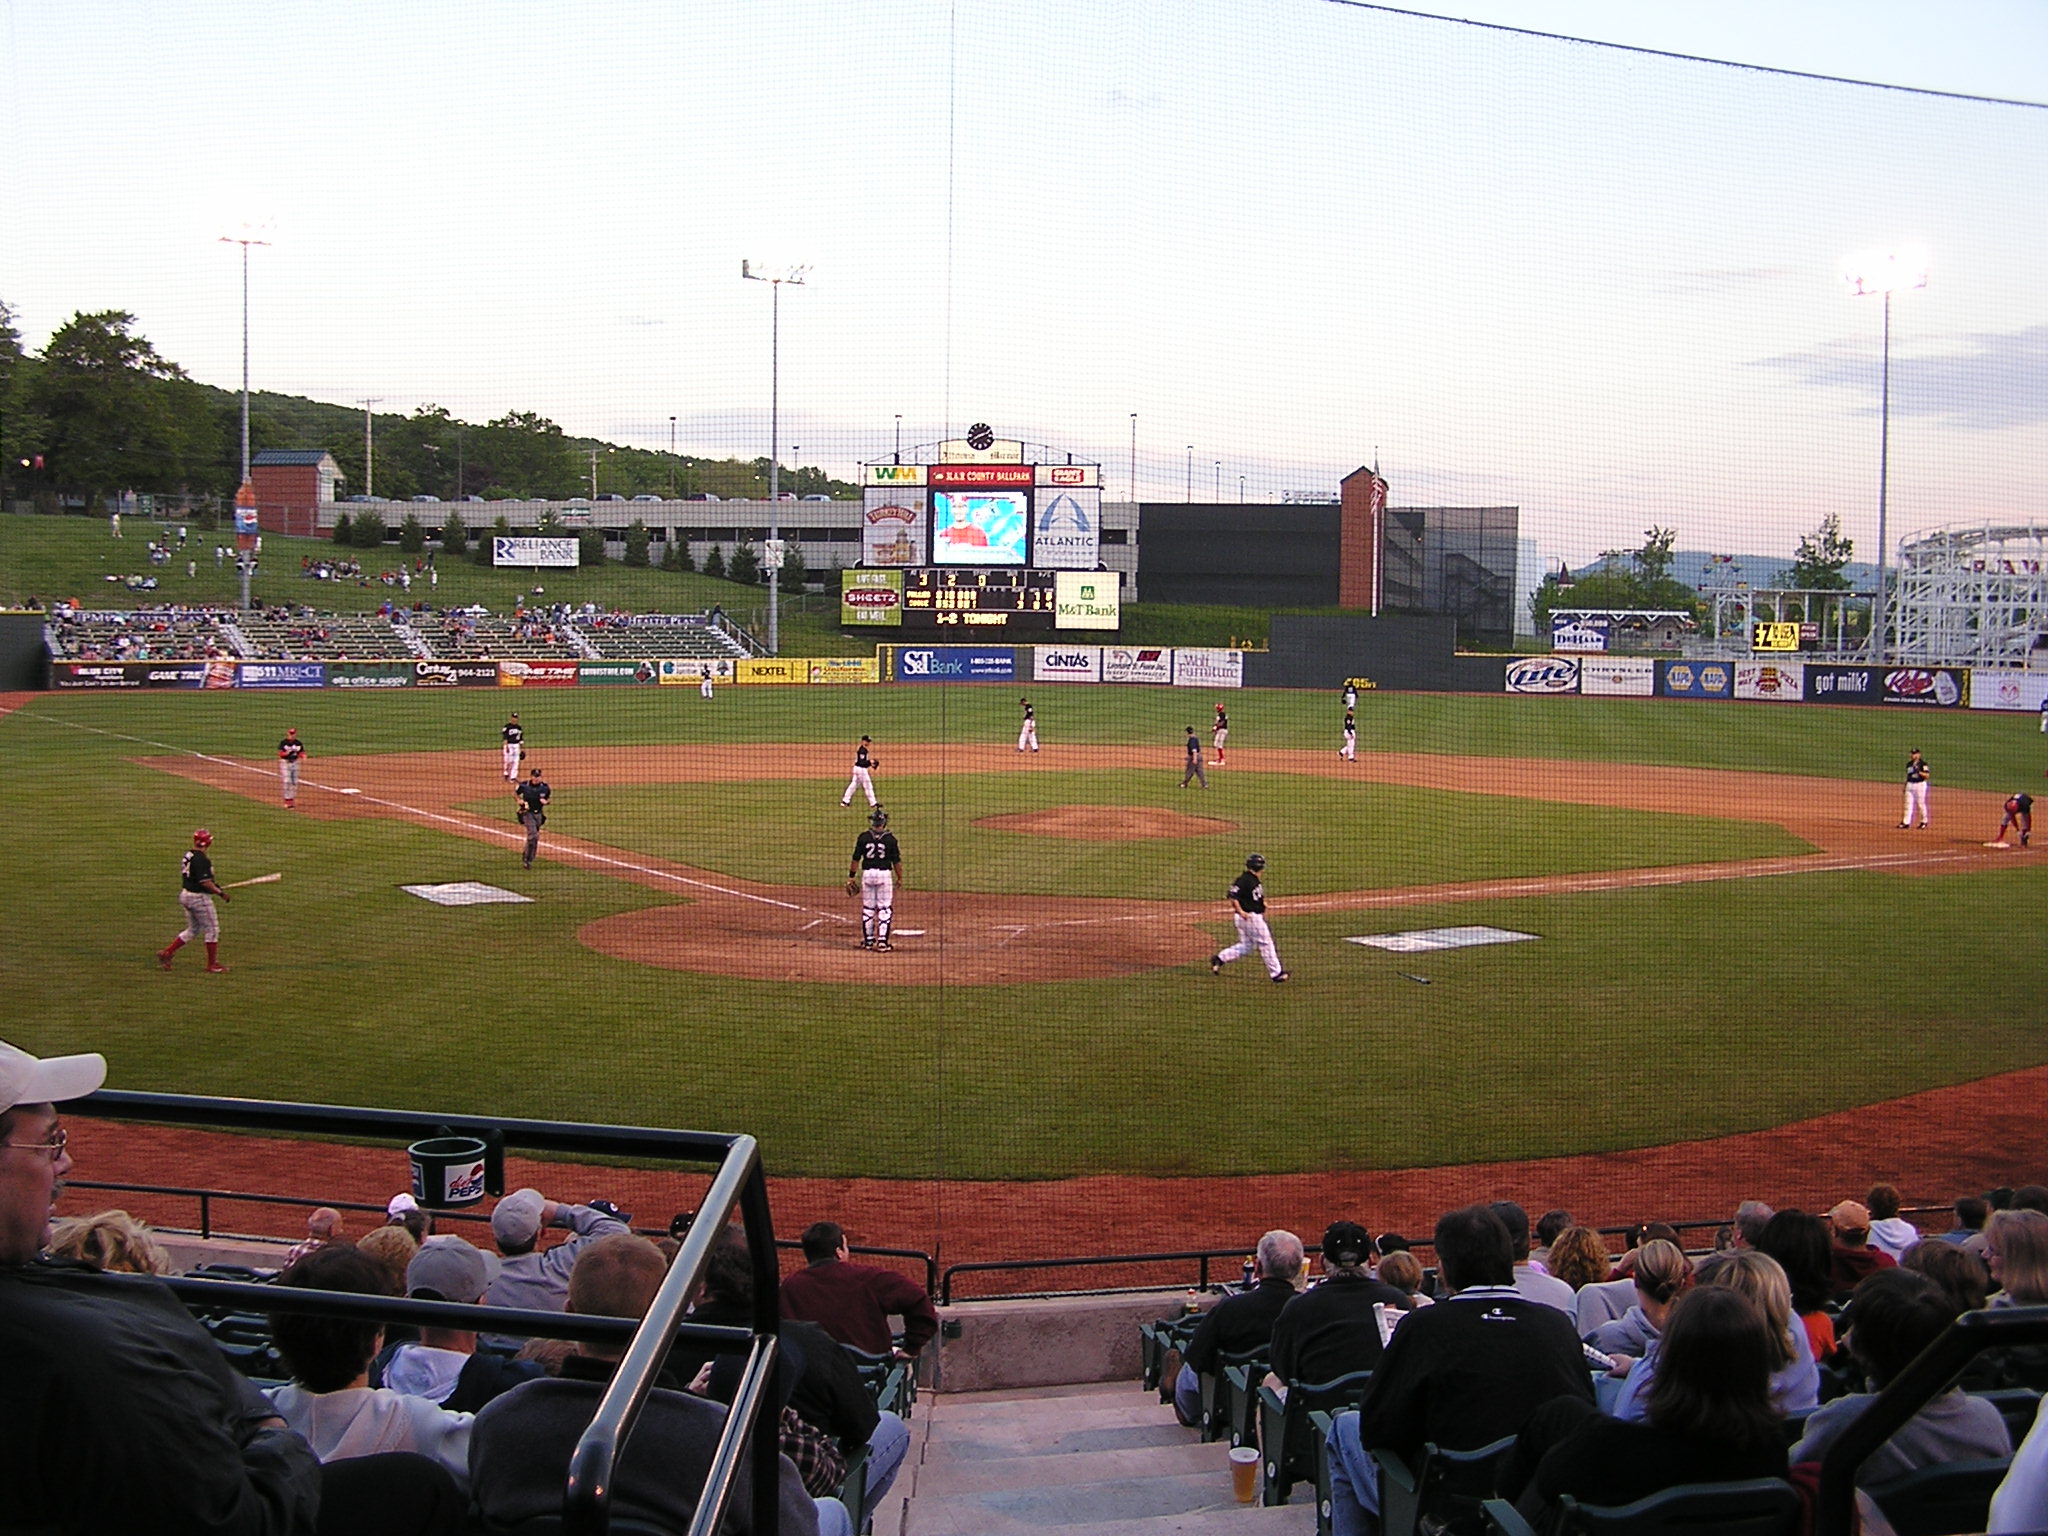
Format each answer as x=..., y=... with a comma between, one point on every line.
x=1906, y=1394
x=738, y=1184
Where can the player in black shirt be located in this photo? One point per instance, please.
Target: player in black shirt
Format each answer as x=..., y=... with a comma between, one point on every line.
x=2019, y=816
x=197, y=888
x=532, y=798
x=1027, y=734
x=1248, y=912
x=514, y=736
x=876, y=866
x=1219, y=734
x=290, y=753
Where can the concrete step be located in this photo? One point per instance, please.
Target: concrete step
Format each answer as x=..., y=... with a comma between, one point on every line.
x=1186, y=1458
x=1144, y=1506
x=1046, y=1421
x=995, y=1442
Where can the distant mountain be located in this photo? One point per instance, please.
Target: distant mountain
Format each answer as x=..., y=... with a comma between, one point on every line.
x=1700, y=568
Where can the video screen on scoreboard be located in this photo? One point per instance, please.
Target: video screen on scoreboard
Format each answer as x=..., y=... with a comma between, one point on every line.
x=979, y=527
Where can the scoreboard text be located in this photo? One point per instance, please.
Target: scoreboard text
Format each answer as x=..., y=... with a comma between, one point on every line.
x=979, y=599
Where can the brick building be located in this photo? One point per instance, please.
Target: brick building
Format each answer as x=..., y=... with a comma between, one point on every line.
x=293, y=487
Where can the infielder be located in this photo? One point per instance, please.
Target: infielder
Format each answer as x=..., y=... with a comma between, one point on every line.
x=1219, y=734
x=1194, y=754
x=532, y=798
x=1917, y=774
x=1350, y=695
x=2019, y=815
x=864, y=762
x=1248, y=912
x=290, y=753
x=876, y=866
x=197, y=888
x=514, y=736
x=1349, y=751
x=1027, y=736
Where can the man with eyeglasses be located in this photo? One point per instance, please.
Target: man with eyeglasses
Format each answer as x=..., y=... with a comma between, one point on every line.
x=120, y=1412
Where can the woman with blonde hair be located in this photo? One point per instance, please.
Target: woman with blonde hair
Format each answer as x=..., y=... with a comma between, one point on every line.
x=1795, y=1379
x=1578, y=1257
x=1661, y=1271
x=2016, y=1248
x=112, y=1241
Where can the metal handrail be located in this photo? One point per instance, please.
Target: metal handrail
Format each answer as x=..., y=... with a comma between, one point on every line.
x=1906, y=1394
x=740, y=1183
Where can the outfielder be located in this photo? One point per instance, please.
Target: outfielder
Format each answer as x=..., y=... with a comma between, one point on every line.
x=197, y=888
x=514, y=736
x=1027, y=736
x=876, y=866
x=1917, y=774
x=1349, y=751
x=1219, y=734
x=704, y=682
x=1248, y=912
x=290, y=753
x=532, y=798
x=864, y=761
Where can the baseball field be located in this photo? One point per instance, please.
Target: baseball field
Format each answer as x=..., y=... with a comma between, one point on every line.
x=1719, y=929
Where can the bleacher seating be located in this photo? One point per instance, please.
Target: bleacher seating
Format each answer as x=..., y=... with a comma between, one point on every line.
x=146, y=634
x=304, y=635
x=624, y=642
x=460, y=636
x=1763, y=1507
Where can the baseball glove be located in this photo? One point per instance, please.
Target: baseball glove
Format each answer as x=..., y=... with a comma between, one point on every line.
x=874, y=762
x=853, y=887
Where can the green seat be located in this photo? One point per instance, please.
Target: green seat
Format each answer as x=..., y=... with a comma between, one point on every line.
x=1242, y=1382
x=1767, y=1506
x=1445, y=1487
x=1941, y=1500
x=853, y=1489
x=1157, y=1341
x=889, y=1381
x=1287, y=1438
x=1218, y=1410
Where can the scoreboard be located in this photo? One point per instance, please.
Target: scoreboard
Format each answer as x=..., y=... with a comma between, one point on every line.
x=949, y=597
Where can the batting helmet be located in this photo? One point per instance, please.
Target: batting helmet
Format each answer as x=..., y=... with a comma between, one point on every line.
x=878, y=819
x=202, y=838
x=1256, y=862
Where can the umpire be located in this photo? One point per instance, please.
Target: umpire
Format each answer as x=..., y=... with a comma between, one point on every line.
x=532, y=798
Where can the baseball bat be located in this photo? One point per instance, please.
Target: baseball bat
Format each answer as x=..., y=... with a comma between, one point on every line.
x=236, y=885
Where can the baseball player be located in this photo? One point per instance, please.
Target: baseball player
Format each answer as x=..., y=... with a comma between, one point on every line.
x=1350, y=695
x=532, y=798
x=704, y=683
x=1917, y=774
x=1219, y=734
x=864, y=762
x=2019, y=816
x=197, y=888
x=1027, y=736
x=876, y=866
x=1248, y=912
x=1349, y=751
x=290, y=753
x=514, y=737
x=1194, y=755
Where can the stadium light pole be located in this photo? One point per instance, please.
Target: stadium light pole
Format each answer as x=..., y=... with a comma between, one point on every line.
x=1134, y=458
x=369, y=471
x=1218, y=491
x=1191, y=472
x=671, y=458
x=775, y=277
x=245, y=239
x=899, y=437
x=1885, y=272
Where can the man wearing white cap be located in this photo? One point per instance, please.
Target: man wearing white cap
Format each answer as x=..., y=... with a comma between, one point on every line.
x=539, y=1281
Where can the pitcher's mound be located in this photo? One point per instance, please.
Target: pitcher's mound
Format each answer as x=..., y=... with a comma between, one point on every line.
x=1107, y=823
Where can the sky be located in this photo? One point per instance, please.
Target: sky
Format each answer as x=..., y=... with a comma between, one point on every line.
x=1288, y=238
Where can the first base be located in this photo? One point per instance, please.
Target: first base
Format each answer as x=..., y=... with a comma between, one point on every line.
x=1998, y=845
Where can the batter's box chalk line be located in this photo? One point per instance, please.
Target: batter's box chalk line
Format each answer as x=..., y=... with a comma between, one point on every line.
x=1420, y=940
x=463, y=893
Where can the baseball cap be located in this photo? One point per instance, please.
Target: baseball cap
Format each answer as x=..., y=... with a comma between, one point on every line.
x=26, y=1079
x=399, y=1204
x=517, y=1218
x=1346, y=1242
x=1849, y=1216
x=451, y=1267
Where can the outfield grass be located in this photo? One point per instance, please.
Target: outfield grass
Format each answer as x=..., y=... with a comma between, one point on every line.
x=1639, y=1016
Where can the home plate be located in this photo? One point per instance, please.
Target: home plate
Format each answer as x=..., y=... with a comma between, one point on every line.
x=1420, y=939
x=462, y=893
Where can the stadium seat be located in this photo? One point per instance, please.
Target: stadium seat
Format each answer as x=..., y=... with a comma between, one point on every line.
x=1219, y=1414
x=1764, y=1507
x=889, y=1381
x=1156, y=1341
x=1941, y=1500
x=1443, y=1486
x=853, y=1489
x=1286, y=1437
x=1240, y=1384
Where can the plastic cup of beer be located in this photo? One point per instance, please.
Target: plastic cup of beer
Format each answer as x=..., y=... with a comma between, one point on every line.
x=1244, y=1472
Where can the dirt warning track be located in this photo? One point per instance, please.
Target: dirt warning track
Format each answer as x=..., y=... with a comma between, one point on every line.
x=734, y=927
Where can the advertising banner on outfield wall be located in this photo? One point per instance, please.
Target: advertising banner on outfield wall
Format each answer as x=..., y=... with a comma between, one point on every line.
x=617, y=674
x=772, y=669
x=1542, y=674
x=281, y=674
x=954, y=664
x=128, y=674
x=892, y=524
x=1830, y=684
x=455, y=674
x=551, y=553
x=691, y=669
x=1696, y=679
x=1924, y=687
x=1136, y=664
x=871, y=597
x=1618, y=677
x=2007, y=690
x=543, y=672
x=1066, y=664
x=1195, y=667
x=1782, y=682
x=846, y=669
x=369, y=674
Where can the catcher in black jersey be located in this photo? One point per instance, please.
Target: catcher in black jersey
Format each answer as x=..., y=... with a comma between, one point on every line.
x=876, y=866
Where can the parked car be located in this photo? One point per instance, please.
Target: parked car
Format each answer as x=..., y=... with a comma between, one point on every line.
x=815, y=497
x=701, y=496
x=426, y=498
x=577, y=501
x=644, y=497
x=611, y=496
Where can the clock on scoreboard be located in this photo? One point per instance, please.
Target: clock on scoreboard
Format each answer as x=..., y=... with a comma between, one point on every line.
x=976, y=598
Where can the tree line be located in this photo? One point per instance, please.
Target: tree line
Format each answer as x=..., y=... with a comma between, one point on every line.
x=100, y=411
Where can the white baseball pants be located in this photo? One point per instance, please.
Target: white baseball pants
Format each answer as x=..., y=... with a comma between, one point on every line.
x=1252, y=933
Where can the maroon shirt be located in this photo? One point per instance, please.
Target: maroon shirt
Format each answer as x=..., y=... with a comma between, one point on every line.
x=853, y=1303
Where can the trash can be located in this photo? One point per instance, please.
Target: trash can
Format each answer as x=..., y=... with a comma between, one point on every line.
x=448, y=1170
